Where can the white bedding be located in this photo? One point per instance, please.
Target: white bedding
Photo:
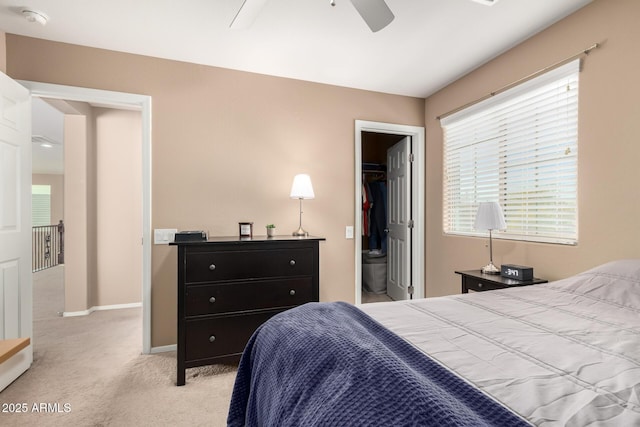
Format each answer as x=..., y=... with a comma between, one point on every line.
x=562, y=353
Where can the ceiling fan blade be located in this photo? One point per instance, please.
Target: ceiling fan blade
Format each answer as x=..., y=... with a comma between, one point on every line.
x=375, y=13
x=247, y=13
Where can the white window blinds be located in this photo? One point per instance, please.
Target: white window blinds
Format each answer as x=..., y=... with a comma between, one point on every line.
x=519, y=148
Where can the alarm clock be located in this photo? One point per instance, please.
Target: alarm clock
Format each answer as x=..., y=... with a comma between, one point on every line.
x=517, y=272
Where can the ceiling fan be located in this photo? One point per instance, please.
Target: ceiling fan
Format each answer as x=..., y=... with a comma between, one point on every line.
x=375, y=13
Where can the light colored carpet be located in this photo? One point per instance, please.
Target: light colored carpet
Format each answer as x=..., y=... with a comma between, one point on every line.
x=93, y=365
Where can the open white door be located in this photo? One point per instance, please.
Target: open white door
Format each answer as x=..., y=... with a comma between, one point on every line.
x=15, y=225
x=398, y=217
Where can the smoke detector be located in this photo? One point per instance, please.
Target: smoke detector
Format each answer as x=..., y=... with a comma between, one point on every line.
x=35, y=16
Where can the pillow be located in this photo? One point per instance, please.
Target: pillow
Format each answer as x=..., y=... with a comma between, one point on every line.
x=616, y=283
x=626, y=268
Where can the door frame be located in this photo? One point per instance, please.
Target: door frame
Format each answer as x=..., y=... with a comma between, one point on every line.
x=418, y=204
x=126, y=101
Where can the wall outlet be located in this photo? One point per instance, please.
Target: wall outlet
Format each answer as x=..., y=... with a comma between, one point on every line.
x=348, y=233
x=164, y=236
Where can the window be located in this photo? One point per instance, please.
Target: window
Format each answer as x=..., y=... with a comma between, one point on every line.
x=40, y=205
x=519, y=148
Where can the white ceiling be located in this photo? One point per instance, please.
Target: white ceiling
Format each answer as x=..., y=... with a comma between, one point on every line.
x=47, y=135
x=429, y=44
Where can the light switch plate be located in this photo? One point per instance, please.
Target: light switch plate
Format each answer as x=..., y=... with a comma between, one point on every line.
x=164, y=236
x=348, y=233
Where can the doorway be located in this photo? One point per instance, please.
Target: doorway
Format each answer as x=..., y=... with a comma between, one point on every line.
x=392, y=157
x=124, y=101
x=95, y=153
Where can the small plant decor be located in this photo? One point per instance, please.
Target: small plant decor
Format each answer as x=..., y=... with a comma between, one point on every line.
x=270, y=230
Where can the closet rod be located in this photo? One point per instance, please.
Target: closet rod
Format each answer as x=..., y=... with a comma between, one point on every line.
x=522, y=80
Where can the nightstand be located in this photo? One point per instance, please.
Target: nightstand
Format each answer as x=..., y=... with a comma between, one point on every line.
x=476, y=280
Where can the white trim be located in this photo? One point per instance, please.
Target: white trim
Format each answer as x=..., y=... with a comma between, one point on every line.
x=418, y=195
x=101, y=308
x=164, y=348
x=497, y=235
x=128, y=101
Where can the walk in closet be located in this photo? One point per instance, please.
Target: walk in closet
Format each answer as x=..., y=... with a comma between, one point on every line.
x=374, y=214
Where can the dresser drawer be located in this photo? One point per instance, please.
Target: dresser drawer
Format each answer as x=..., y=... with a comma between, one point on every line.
x=477, y=285
x=244, y=296
x=221, y=336
x=237, y=265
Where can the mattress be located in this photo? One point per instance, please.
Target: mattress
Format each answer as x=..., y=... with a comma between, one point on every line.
x=561, y=353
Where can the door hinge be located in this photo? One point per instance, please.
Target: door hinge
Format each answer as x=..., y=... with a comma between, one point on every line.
x=411, y=157
x=410, y=223
x=410, y=290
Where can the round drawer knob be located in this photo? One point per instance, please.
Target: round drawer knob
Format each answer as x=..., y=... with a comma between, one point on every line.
x=292, y=292
x=292, y=262
x=479, y=285
x=212, y=267
x=212, y=338
x=212, y=300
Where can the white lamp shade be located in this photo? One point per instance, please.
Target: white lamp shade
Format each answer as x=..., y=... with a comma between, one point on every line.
x=490, y=217
x=301, y=187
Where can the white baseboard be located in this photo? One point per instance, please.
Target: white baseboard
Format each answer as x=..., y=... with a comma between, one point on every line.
x=164, y=348
x=100, y=308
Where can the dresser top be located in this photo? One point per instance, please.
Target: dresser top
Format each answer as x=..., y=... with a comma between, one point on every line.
x=242, y=240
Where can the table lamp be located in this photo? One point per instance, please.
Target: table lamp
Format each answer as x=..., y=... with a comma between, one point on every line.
x=490, y=217
x=301, y=189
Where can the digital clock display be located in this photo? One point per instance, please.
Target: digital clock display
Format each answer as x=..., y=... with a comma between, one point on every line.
x=517, y=272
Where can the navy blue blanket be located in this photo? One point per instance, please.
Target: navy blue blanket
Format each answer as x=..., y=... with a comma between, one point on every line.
x=329, y=364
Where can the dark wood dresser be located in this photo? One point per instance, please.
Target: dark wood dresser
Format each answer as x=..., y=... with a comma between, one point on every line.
x=227, y=287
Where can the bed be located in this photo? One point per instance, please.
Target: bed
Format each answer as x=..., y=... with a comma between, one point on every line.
x=565, y=353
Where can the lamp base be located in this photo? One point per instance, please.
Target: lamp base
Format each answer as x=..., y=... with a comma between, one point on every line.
x=490, y=269
x=300, y=233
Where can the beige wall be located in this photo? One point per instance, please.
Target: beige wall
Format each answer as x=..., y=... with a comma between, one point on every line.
x=78, y=275
x=57, y=193
x=609, y=148
x=226, y=145
x=103, y=260
x=119, y=206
